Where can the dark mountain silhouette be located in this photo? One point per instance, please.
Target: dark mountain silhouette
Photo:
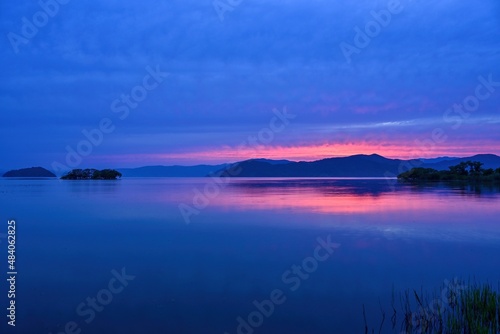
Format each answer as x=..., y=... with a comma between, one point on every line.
x=353, y=166
x=273, y=162
x=357, y=166
x=438, y=159
x=360, y=165
x=489, y=161
x=183, y=171
x=30, y=172
x=170, y=171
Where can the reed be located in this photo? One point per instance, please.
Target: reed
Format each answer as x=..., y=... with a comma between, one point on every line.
x=472, y=309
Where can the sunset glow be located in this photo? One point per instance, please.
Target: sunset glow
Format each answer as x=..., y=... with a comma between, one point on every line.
x=256, y=87
x=298, y=153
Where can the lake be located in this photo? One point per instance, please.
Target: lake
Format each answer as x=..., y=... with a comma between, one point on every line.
x=186, y=255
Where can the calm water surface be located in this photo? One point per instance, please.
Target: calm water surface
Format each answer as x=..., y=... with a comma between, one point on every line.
x=239, y=247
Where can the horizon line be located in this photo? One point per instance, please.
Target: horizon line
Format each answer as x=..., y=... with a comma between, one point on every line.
x=280, y=159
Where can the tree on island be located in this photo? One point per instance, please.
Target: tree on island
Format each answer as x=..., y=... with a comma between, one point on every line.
x=92, y=174
x=464, y=171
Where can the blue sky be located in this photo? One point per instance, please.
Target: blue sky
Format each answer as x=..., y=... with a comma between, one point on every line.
x=225, y=78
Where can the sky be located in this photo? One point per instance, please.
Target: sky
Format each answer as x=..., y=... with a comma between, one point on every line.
x=128, y=83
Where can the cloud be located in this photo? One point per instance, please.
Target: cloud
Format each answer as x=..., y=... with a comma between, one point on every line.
x=231, y=74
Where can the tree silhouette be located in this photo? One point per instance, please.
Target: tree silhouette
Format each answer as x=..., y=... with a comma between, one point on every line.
x=468, y=170
x=92, y=174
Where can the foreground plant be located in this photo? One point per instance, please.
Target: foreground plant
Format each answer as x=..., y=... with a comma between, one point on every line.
x=459, y=309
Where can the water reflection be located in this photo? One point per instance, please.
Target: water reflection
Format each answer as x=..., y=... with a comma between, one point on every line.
x=199, y=278
x=349, y=196
x=362, y=186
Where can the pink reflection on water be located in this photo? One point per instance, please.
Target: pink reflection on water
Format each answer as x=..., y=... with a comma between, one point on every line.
x=333, y=198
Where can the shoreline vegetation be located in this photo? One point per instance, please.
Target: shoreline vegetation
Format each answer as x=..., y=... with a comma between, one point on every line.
x=459, y=308
x=469, y=171
x=92, y=174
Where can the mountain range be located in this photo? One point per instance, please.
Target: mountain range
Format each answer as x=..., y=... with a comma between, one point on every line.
x=360, y=165
x=373, y=165
x=184, y=171
x=171, y=171
x=353, y=166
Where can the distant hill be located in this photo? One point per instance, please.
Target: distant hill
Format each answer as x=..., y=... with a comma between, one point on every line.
x=489, y=161
x=353, y=166
x=360, y=165
x=439, y=159
x=273, y=162
x=356, y=166
x=30, y=172
x=170, y=171
x=183, y=171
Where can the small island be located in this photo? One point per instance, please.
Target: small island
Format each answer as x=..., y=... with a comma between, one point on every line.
x=30, y=172
x=470, y=171
x=92, y=174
